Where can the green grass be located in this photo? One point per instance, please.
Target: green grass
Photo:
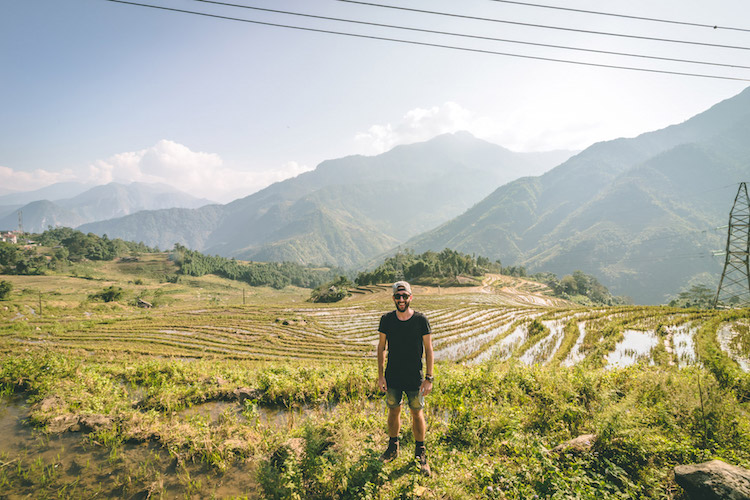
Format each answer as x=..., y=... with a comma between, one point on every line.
x=490, y=425
x=299, y=415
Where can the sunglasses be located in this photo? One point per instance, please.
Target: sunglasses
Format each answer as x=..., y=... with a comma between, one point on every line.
x=399, y=296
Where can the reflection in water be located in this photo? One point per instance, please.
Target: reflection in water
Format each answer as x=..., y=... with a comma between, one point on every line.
x=683, y=343
x=542, y=351
x=635, y=345
x=505, y=348
x=725, y=334
x=72, y=465
x=576, y=356
x=37, y=465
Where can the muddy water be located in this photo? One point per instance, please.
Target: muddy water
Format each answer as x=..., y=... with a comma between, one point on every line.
x=35, y=465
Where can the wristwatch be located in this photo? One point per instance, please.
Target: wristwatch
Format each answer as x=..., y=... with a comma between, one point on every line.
x=429, y=378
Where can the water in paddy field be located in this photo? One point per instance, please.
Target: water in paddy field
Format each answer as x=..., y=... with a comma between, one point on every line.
x=726, y=334
x=463, y=348
x=683, y=344
x=70, y=465
x=634, y=346
x=576, y=356
x=505, y=348
x=36, y=465
x=542, y=351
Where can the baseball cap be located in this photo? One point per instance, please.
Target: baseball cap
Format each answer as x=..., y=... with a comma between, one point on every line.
x=403, y=285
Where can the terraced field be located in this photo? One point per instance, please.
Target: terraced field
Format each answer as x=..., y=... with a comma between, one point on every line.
x=210, y=392
x=469, y=326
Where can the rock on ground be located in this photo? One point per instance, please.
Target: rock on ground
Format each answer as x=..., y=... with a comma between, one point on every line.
x=714, y=480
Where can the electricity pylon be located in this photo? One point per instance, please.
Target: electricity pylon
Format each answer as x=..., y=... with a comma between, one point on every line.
x=734, y=285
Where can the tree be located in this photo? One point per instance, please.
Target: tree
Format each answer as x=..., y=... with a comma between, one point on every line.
x=5, y=289
x=8, y=255
x=699, y=296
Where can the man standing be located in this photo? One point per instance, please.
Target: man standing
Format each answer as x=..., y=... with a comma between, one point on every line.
x=406, y=335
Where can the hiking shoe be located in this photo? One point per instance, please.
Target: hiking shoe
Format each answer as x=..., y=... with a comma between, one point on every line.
x=390, y=453
x=420, y=455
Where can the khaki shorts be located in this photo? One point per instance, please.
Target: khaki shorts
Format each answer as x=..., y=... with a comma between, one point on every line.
x=393, y=398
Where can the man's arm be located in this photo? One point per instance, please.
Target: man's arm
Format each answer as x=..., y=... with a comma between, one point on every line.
x=429, y=363
x=381, y=362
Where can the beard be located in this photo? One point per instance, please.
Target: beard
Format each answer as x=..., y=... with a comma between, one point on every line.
x=402, y=306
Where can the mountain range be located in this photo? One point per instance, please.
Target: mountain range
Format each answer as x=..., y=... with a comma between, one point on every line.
x=641, y=214
x=347, y=210
x=72, y=204
x=638, y=213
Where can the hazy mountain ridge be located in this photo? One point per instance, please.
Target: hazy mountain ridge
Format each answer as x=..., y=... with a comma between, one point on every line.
x=166, y=227
x=53, y=192
x=347, y=210
x=632, y=211
x=94, y=204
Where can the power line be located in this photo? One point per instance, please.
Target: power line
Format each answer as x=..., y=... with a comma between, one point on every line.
x=625, y=16
x=545, y=26
x=427, y=44
x=475, y=37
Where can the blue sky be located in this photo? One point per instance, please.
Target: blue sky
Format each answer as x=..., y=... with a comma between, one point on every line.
x=96, y=91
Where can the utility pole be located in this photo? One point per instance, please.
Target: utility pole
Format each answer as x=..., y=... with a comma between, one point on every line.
x=734, y=285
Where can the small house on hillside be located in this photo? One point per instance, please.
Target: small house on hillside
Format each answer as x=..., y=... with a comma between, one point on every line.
x=9, y=237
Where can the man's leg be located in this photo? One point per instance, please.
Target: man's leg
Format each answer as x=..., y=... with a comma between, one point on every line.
x=394, y=421
x=393, y=400
x=418, y=424
x=419, y=428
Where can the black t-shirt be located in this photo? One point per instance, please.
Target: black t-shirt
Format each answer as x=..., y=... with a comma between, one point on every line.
x=405, y=348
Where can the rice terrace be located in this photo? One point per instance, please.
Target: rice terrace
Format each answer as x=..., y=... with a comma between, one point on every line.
x=205, y=387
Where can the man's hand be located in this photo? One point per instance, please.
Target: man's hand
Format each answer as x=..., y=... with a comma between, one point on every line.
x=381, y=384
x=425, y=388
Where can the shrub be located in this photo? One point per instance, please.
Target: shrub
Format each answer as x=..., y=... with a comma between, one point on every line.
x=5, y=289
x=332, y=292
x=109, y=294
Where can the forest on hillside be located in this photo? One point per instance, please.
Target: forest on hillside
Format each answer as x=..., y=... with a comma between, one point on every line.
x=274, y=274
x=57, y=248
x=444, y=268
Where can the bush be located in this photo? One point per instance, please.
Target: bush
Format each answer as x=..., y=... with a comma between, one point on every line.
x=5, y=289
x=109, y=294
x=332, y=292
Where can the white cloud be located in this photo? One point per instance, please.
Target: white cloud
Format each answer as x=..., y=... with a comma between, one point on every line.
x=418, y=125
x=533, y=127
x=15, y=180
x=199, y=174
x=167, y=162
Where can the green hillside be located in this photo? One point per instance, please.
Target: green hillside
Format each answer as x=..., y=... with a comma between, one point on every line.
x=347, y=210
x=638, y=213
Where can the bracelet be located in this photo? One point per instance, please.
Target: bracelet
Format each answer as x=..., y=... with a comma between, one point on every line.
x=429, y=378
